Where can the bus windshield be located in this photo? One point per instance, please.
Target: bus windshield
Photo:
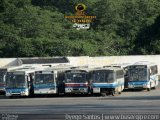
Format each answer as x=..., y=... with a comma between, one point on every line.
x=44, y=78
x=15, y=81
x=79, y=77
x=137, y=74
x=103, y=76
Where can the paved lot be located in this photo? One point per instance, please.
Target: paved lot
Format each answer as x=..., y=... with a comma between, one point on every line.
x=135, y=102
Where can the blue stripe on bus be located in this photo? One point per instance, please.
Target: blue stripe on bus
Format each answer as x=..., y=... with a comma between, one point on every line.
x=138, y=82
x=105, y=85
x=43, y=86
x=15, y=90
x=145, y=81
x=141, y=81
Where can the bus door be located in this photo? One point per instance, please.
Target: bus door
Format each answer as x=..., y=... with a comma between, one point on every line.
x=60, y=83
x=30, y=83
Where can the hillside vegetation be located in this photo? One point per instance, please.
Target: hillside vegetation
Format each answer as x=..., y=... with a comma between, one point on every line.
x=37, y=28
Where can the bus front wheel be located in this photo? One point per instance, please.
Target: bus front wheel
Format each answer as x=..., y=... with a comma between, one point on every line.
x=103, y=94
x=114, y=93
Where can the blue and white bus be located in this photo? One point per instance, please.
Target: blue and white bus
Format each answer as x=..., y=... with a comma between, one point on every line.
x=107, y=80
x=142, y=75
x=3, y=71
x=123, y=66
x=19, y=82
x=50, y=80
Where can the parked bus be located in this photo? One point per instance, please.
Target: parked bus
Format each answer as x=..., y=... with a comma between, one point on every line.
x=124, y=67
x=19, y=82
x=50, y=80
x=77, y=80
x=107, y=80
x=3, y=71
x=142, y=75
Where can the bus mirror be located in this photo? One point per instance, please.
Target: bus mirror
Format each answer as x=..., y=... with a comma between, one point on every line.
x=4, y=77
x=26, y=77
x=150, y=71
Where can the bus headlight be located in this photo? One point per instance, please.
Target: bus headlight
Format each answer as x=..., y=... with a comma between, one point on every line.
x=8, y=93
x=131, y=86
x=145, y=85
x=23, y=92
x=86, y=82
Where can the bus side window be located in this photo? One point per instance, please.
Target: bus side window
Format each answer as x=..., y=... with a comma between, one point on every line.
x=119, y=74
x=28, y=80
x=153, y=70
x=149, y=73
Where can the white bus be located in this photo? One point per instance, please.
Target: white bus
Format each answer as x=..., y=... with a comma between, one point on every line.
x=107, y=80
x=142, y=75
x=3, y=71
x=124, y=67
x=50, y=80
x=19, y=82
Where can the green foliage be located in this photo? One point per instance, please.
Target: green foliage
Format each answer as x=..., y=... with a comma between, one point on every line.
x=38, y=28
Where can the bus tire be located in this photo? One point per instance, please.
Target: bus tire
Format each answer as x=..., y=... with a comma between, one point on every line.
x=119, y=92
x=10, y=97
x=114, y=93
x=103, y=94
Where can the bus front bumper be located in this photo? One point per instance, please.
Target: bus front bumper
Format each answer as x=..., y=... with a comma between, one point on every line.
x=45, y=91
x=138, y=86
x=21, y=93
x=76, y=90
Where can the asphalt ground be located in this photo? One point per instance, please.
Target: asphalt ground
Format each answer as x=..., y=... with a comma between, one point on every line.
x=81, y=107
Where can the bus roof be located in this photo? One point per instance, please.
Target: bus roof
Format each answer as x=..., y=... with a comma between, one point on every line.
x=86, y=68
x=147, y=63
x=109, y=68
x=9, y=68
x=27, y=69
x=120, y=65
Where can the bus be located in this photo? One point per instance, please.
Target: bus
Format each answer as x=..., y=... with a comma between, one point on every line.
x=77, y=80
x=19, y=82
x=142, y=75
x=3, y=71
x=50, y=80
x=107, y=80
x=124, y=67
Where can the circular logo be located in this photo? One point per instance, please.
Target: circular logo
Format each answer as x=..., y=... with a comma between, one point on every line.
x=80, y=7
